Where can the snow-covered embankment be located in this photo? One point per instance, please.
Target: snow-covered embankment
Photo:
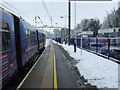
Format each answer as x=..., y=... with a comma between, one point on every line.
x=98, y=71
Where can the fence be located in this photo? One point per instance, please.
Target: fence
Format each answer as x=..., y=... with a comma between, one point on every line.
x=105, y=46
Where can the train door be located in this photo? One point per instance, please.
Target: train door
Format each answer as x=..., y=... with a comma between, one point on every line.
x=8, y=53
x=37, y=39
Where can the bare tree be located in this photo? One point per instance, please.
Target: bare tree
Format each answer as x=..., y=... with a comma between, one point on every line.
x=90, y=25
x=94, y=25
x=112, y=20
x=84, y=24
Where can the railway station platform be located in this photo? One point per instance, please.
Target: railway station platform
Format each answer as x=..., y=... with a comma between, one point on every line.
x=51, y=70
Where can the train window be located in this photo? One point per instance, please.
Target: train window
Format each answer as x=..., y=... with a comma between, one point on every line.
x=28, y=36
x=4, y=25
x=33, y=37
x=0, y=41
x=114, y=30
x=5, y=39
x=39, y=37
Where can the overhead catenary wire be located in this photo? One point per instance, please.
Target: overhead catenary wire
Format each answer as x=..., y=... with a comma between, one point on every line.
x=12, y=6
x=44, y=5
x=6, y=8
x=18, y=13
x=41, y=21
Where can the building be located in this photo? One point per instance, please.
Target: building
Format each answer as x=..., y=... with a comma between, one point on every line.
x=64, y=34
x=78, y=32
x=114, y=32
x=72, y=33
x=56, y=33
x=49, y=35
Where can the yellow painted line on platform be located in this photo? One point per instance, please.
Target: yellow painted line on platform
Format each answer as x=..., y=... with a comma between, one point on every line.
x=48, y=75
x=55, y=74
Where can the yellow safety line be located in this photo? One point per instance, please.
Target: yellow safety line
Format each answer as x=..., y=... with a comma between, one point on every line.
x=55, y=75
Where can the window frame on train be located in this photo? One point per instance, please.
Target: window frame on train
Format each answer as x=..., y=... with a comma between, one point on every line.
x=6, y=39
x=28, y=36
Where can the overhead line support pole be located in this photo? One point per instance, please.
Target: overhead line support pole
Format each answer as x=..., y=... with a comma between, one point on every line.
x=69, y=21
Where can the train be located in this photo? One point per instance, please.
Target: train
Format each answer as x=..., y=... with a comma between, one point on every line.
x=19, y=42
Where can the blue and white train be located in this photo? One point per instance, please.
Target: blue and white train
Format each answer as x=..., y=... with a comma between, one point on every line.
x=19, y=41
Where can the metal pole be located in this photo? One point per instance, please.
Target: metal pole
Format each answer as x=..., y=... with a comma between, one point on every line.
x=81, y=42
x=65, y=28
x=35, y=22
x=75, y=42
x=108, y=46
x=65, y=20
x=69, y=19
x=75, y=23
x=96, y=44
x=51, y=21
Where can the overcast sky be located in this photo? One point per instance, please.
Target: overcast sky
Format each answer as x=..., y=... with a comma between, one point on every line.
x=28, y=9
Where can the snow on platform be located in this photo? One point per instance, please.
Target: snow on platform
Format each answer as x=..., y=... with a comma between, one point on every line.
x=97, y=70
x=47, y=42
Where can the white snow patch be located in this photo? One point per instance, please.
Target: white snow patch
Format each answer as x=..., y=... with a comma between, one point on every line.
x=47, y=42
x=54, y=41
x=98, y=71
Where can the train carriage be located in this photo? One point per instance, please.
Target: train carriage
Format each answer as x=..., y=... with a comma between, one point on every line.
x=41, y=40
x=19, y=42
x=8, y=50
x=28, y=38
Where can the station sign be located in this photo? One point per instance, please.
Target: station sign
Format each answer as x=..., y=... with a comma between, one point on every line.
x=66, y=35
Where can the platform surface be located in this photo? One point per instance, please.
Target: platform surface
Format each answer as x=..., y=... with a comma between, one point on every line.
x=42, y=74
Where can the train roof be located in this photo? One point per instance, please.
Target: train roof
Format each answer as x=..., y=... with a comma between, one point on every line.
x=11, y=14
x=2, y=10
x=26, y=22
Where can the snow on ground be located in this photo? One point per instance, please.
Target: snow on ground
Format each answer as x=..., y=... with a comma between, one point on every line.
x=47, y=42
x=98, y=71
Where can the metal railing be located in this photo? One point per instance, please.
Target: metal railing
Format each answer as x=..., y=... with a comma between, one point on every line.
x=108, y=47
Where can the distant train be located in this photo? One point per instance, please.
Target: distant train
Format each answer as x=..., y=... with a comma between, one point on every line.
x=19, y=41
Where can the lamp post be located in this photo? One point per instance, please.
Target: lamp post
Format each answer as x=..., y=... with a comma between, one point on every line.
x=69, y=21
x=56, y=29
x=35, y=22
x=81, y=41
x=75, y=42
x=65, y=16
